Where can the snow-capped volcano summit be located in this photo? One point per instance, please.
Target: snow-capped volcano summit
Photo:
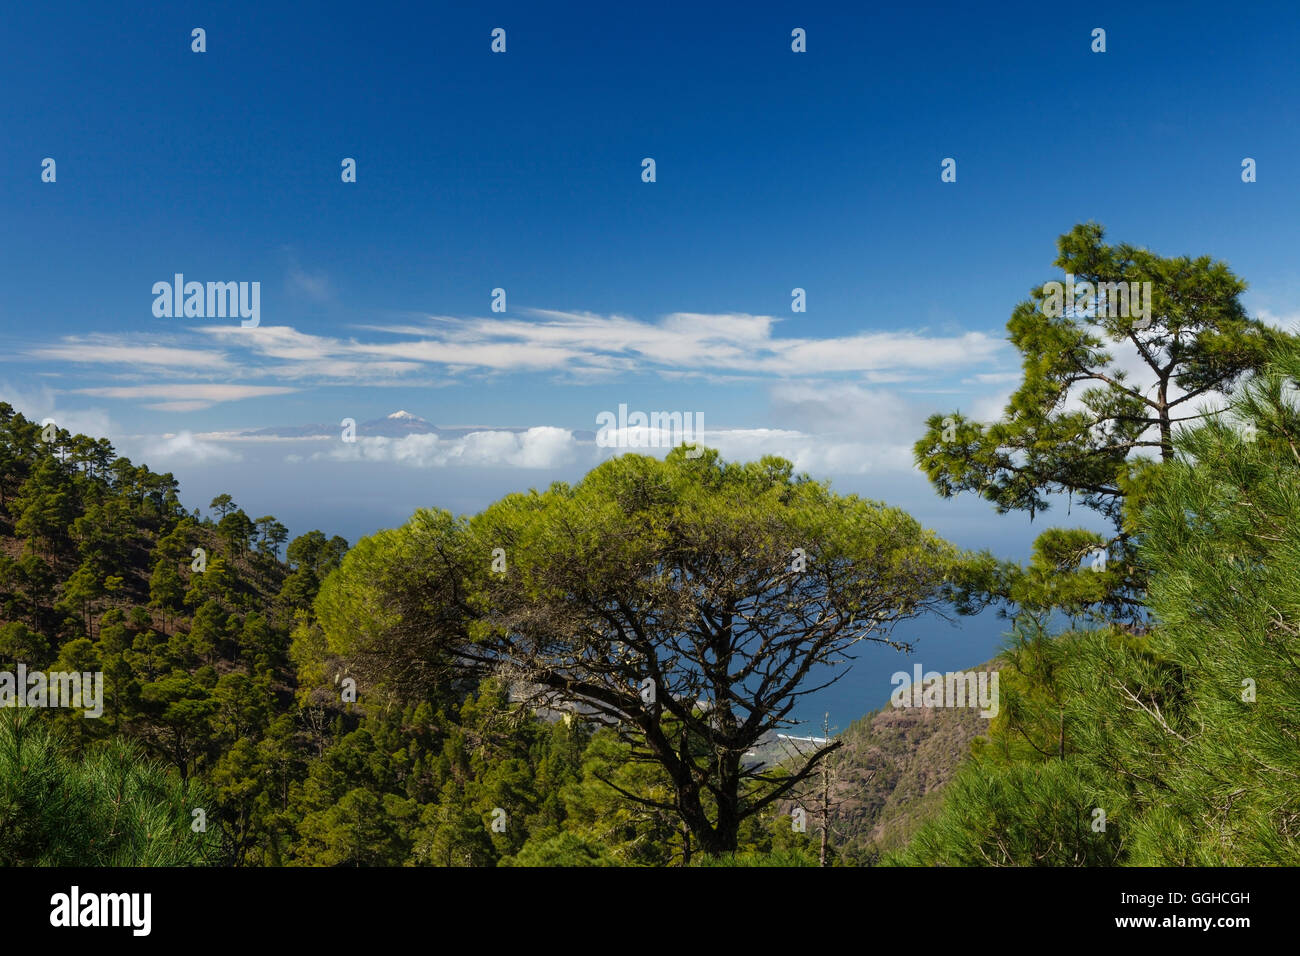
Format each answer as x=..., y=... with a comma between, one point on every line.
x=397, y=424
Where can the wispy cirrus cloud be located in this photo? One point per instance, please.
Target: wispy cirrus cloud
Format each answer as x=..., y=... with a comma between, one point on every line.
x=178, y=397
x=554, y=341
x=283, y=352
x=572, y=347
x=682, y=342
x=315, y=286
x=130, y=351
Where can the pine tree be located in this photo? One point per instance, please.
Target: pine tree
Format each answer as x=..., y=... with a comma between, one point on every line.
x=1080, y=424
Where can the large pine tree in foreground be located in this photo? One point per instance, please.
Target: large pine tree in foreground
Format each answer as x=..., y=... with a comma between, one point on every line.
x=688, y=603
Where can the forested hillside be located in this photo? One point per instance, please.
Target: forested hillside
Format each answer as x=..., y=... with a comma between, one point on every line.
x=890, y=776
x=219, y=698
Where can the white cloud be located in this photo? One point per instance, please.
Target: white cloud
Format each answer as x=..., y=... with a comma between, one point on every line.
x=572, y=347
x=311, y=285
x=697, y=342
x=41, y=403
x=993, y=378
x=990, y=408
x=880, y=351
x=497, y=356
x=184, y=448
x=584, y=345
x=1287, y=321
x=824, y=407
x=186, y=397
x=548, y=447
x=274, y=341
x=192, y=406
x=104, y=350
x=815, y=454
x=315, y=359
x=541, y=447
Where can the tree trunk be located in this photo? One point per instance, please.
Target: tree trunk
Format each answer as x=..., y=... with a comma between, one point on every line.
x=1166, y=427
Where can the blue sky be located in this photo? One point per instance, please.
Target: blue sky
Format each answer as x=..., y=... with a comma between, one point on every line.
x=522, y=171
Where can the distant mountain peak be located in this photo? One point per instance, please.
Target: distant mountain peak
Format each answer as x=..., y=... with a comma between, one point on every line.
x=404, y=415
